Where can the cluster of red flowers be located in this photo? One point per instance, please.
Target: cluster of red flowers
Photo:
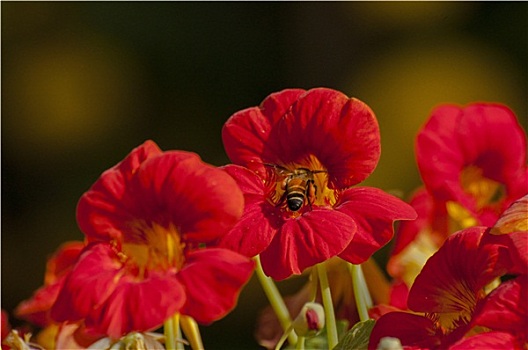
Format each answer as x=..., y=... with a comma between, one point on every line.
x=465, y=257
x=169, y=238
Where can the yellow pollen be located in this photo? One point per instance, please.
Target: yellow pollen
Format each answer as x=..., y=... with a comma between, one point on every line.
x=460, y=217
x=486, y=192
x=154, y=247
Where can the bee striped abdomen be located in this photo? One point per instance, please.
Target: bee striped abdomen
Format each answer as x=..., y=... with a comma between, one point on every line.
x=295, y=195
x=298, y=186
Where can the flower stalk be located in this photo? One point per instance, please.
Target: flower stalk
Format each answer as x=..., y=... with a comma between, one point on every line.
x=331, y=328
x=170, y=331
x=361, y=293
x=192, y=332
x=300, y=344
x=276, y=301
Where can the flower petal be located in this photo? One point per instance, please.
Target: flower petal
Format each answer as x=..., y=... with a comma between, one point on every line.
x=246, y=134
x=374, y=212
x=514, y=218
x=62, y=261
x=213, y=279
x=36, y=309
x=341, y=132
x=254, y=232
x=259, y=222
x=292, y=126
x=505, y=308
x=173, y=188
x=312, y=238
x=494, y=128
x=513, y=255
x=517, y=247
x=101, y=290
x=138, y=306
x=410, y=329
x=5, y=326
x=177, y=188
x=101, y=210
x=488, y=340
x=89, y=283
x=451, y=279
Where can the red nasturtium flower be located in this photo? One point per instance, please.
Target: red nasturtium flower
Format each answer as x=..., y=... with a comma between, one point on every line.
x=451, y=292
x=147, y=222
x=473, y=159
x=296, y=157
x=473, y=163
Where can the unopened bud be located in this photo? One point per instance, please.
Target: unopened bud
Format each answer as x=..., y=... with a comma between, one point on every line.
x=310, y=320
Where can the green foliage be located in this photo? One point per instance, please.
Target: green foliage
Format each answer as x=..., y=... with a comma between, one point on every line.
x=358, y=337
x=320, y=341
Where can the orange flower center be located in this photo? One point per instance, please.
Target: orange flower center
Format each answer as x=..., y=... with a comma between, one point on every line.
x=486, y=192
x=297, y=187
x=154, y=247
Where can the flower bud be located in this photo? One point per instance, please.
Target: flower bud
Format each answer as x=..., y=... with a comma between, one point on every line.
x=310, y=320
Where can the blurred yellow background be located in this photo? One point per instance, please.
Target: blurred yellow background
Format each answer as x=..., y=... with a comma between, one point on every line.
x=85, y=82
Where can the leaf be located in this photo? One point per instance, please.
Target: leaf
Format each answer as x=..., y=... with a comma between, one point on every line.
x=358, y=337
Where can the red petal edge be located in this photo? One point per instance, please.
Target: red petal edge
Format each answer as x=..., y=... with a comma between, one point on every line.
x=374, y=212
x=213, y=279
x=314, y=237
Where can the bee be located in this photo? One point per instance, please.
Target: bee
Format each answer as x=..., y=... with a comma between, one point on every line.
x=298, y=186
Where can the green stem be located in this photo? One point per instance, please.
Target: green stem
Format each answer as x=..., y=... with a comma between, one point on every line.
x=360, y=292
x=276, y=301
x=171, y=328
x=192, y=332
x=331, y=328
x=177, y=332
x=170, y=337
x=300, y=344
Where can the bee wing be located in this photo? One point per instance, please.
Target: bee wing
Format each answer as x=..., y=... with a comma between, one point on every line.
x=279, y=170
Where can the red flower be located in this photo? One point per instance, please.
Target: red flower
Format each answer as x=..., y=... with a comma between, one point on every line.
x=296, y=156
x=451, y=292
x=6, y=327
x=506, y=308
x=474, y=160
x=147, y=220
x=473, y=164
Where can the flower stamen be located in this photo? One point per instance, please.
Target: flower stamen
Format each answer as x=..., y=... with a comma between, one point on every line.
x=154, y=247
